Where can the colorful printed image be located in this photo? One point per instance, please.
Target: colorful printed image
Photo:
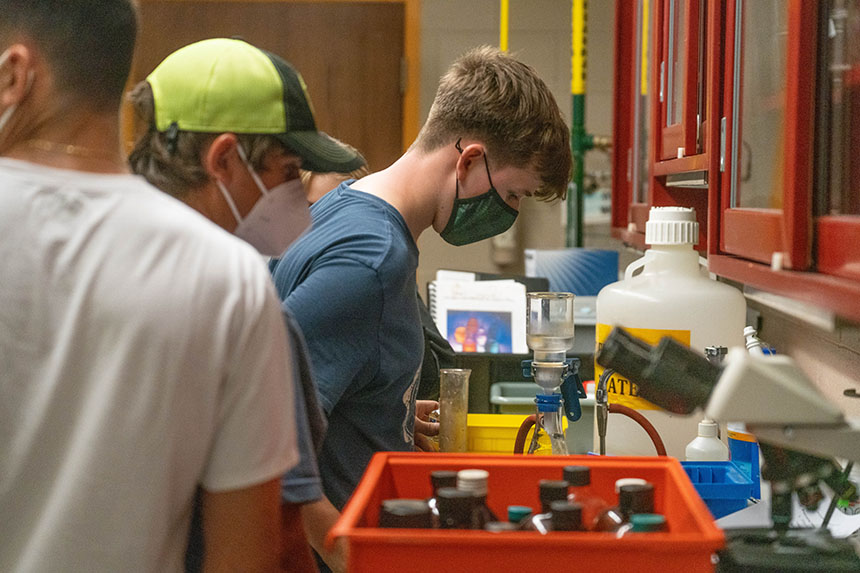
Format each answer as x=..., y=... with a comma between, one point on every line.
x=479, y=331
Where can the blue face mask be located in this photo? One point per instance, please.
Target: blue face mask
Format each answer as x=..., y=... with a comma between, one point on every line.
x=478, y=218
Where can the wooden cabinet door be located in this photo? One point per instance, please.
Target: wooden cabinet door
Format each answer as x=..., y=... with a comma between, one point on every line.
x=349, y=53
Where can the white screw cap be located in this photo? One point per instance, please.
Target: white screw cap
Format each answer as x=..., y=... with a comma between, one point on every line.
x=473, y=481
x=707, y=429
x=672, y=226
x=619, y=483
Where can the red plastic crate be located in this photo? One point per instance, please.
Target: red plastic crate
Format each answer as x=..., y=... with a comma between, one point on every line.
x=687, y=546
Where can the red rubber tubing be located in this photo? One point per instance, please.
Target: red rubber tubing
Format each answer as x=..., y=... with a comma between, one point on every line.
x=520, y=442
x=642, y=421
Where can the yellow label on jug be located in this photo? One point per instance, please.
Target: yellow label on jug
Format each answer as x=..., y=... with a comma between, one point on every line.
x=620, y=389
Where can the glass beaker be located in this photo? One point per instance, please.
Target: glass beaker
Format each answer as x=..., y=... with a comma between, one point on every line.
x=453, y=408
x=549, y=329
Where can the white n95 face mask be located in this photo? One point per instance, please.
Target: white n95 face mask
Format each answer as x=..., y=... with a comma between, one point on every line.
x=277, y=219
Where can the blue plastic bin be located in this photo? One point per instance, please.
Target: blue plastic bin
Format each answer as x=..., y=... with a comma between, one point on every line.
x=722, y=486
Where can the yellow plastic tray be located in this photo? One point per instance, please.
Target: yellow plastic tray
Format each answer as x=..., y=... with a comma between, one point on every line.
x=494, y=433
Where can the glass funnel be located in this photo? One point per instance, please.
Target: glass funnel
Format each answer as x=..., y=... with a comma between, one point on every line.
x=549, y=334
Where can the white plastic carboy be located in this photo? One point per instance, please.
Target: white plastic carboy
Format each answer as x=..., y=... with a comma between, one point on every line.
x=667, y=292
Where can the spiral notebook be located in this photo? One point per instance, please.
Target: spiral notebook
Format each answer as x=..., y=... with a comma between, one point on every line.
x=480, y=316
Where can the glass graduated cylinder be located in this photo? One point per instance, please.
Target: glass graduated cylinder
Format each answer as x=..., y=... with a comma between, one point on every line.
x=550, y=328
x=453, y=408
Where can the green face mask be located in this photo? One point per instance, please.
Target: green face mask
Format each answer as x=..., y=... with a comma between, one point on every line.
x=478, y=218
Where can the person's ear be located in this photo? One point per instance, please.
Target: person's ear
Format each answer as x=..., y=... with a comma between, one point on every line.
x=222, y=160
x=471, y=154
x=15, y=74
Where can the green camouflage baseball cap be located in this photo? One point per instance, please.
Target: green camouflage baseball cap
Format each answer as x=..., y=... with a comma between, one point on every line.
x=226, y=85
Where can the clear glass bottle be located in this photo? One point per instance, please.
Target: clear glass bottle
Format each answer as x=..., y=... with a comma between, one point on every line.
x=475, y=482
x=643, y=523
x=455, y=508
x=438, y=480
x=550, y=490
x=579, y=479
x=405, y=513
x=632, y=499
x=566, y=516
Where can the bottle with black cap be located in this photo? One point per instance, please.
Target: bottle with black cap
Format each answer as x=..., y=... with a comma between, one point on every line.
x=566, y=516
x=632, y=499
x=455, y=508
x=550, y=490
x=579, y=478
x=474, y=481
x=405, y=513
x=438, y=480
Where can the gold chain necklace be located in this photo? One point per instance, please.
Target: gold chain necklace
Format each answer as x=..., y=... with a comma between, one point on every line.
x=69, y=149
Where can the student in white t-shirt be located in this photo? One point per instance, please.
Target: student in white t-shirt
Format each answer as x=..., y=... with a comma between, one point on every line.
x=142, y=351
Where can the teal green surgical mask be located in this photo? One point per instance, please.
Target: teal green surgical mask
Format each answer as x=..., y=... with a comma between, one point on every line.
x=478, y=218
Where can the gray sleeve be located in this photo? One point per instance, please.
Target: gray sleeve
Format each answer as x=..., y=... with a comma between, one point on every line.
x=302, y=483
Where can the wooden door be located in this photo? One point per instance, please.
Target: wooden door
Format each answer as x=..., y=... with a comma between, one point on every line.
x=349, y=54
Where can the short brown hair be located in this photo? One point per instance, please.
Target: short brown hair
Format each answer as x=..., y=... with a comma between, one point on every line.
x=176, y=166
x=88, y=45
x=494, y=98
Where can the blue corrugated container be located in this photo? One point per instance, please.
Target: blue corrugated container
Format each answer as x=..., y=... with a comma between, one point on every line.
x=722, y=486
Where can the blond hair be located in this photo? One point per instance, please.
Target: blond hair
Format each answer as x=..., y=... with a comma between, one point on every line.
x=490, y=96
x=318, y=184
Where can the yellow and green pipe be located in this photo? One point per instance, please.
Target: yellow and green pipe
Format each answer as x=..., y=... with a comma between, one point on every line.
x=580, y=140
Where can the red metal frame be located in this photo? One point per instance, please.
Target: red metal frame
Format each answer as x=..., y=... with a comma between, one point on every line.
x=628, y=218
x=838, y=249
x=622, y=113
x=675, y=136
x=759, y=233
x=715, y=49
x=837, y=294
x=738, y=240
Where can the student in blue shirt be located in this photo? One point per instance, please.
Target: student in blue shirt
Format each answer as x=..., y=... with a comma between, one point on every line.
x=494, y=136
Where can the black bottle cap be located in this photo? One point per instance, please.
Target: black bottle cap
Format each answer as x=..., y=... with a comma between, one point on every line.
x=443, y=478
x=552, y=490
x=411, y=513
x=636, y=498
x=566, y=516
x=577, y=475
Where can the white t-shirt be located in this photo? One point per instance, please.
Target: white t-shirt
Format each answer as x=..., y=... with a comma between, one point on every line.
x=142, y=352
